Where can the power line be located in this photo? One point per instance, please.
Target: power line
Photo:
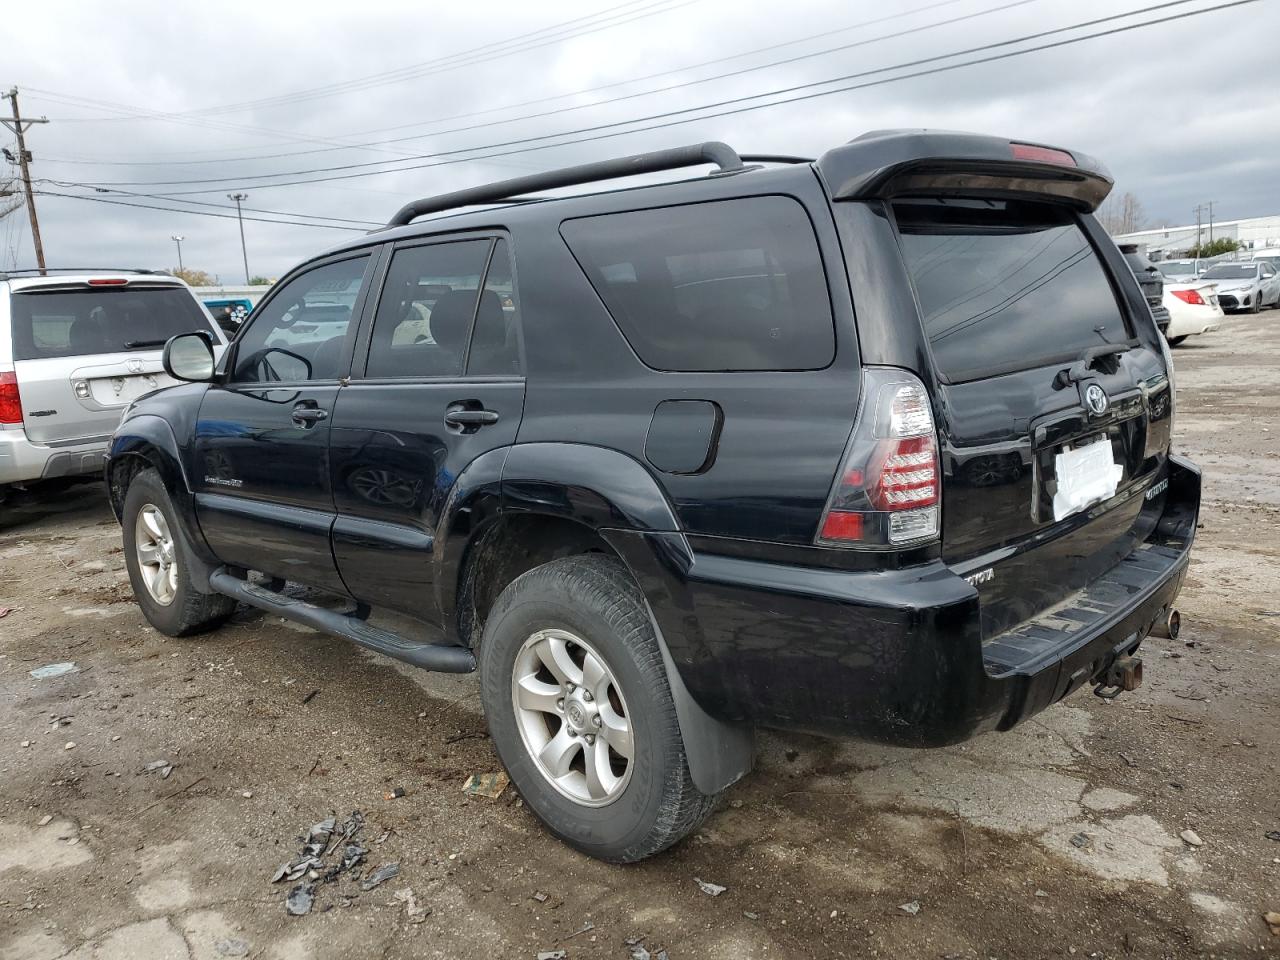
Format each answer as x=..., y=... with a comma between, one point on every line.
x=736, y=104
x=526, y=103
x=194, y=213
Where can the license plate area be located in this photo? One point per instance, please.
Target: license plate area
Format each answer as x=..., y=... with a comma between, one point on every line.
x=118, y=391
x=1084, y=473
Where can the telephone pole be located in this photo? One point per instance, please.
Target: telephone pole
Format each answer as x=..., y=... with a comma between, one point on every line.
x=1198, y=236
x=19, y=126
x=1211, y=203
x=178, y=240
x=238, y=197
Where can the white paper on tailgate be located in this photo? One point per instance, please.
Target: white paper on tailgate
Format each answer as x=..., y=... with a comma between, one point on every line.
x=1086, y=475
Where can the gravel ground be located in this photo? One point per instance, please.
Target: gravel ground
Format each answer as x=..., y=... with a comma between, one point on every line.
x=1062, y=838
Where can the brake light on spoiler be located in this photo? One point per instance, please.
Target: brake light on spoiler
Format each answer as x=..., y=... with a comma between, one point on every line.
x=1189, y=296
x=1038, y=154
x=888, y=490
x=108, y=282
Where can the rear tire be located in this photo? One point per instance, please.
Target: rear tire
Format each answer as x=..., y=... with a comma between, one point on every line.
x=158, y=559
x=1174, y=341
x=586, y=616
x=1257, y=303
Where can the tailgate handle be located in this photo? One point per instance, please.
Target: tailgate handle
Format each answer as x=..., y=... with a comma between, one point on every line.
x=1109, y=352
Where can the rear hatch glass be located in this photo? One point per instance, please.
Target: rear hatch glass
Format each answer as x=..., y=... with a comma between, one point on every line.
x=82, y=354
x=1011, y=294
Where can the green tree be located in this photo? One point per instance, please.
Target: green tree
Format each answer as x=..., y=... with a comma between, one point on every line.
x=195, y=278
x=259, y=282
x=1215, y=248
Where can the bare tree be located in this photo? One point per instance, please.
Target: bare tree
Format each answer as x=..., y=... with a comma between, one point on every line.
x=1122, y=214
x=10, y=199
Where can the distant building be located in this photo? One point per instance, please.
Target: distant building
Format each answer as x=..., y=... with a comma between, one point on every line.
x=1256, y=233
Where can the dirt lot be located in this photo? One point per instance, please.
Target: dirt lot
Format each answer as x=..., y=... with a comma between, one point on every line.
x=270, y=728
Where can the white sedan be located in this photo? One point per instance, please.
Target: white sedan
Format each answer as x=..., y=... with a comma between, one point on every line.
x=1193, y=309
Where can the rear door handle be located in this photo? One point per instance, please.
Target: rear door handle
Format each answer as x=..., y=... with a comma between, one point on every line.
x=308, y=416
x=459, y=416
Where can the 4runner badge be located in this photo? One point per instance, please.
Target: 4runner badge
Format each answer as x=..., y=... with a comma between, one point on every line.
x=1097, y=400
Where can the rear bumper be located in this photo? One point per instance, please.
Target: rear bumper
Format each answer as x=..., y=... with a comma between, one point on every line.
x=22, y=461
x=896, y=655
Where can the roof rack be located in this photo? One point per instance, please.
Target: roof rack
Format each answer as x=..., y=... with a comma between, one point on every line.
x=775, y=158
x=38, y=272
x=721, y=154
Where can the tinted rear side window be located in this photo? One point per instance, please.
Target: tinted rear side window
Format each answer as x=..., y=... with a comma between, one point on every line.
x=1005, y=285
x=729, y=285
x=73, y=323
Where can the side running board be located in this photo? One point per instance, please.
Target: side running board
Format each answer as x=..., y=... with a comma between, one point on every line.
x=429, y=656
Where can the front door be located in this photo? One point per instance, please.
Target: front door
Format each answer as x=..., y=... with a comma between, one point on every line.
x=441, y=385
x=259, y=463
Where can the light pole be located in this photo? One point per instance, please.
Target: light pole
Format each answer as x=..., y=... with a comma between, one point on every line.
x=178, y=240
x=238, y=197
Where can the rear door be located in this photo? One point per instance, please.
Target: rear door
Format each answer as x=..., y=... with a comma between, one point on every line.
x=83, y=350
x=1055, y=396
x=439, y=384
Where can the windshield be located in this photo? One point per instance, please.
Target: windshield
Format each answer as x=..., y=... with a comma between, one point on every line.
x=1231, y=271
x=1176, y=269
x=74, y=323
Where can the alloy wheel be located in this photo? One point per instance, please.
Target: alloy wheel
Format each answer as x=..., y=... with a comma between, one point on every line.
x=157, y=560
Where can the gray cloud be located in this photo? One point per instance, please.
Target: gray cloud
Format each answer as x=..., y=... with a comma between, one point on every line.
x=1175, y=110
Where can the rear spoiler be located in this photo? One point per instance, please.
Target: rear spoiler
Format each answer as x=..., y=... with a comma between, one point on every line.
x=894, y=163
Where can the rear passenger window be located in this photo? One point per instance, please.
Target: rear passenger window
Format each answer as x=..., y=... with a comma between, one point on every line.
x=428, y=304
x=728, y=285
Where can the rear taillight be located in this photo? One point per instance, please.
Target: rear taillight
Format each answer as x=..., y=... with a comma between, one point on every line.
x=10, y=402
x=889, y=486
x=108, y=282
x=1189, y=296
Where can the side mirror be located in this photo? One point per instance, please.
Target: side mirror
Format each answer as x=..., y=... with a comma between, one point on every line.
x=189, y=356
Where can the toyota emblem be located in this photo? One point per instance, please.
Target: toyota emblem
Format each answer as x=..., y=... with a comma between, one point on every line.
x=1096, y=399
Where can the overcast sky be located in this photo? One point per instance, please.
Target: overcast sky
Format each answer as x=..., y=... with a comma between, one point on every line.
x=234, y=94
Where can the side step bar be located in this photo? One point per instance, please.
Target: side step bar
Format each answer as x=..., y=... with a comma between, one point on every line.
x=438, y=657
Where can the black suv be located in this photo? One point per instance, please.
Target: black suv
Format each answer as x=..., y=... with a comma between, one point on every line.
x=874, y=445
x=1151, y=280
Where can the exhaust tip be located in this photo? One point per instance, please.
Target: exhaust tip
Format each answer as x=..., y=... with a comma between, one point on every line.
x=1169, y=626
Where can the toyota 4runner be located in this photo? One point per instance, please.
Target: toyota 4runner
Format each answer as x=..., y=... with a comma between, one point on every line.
x=873, y=445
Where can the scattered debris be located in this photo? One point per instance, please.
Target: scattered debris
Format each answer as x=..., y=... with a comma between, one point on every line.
x=300, y=899
x=488, y=785
x=26, y=743
x=45, y=820
x=381, y=875
x=1273, y=922
x=53, y=669
x=1041, y=893
x=750, y=916
x=5, y=611
x=1191, y=838
x=69, y=745
x=1129, y=761
x=551, y=955
x=638, y=951
x=710, y=889
x=1081, y=841
x=232, y=947
x=309, y=697
x=539, y=896
x=164, y=766
x=413, y=911
x=247, y=794
x=1272, y=834
x=394, y=794
x=912, y=908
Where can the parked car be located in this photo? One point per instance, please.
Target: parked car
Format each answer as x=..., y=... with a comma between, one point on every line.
x=873, y=445
x=1182, y=271
x=76, y=347
x=1193, y=310
x=230, y=313
x=1245, y=285
x=1151, y=280
x=1270, y=256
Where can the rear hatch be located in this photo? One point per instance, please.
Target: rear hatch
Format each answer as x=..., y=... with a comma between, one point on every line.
x=1054, y=393
x=82, y=350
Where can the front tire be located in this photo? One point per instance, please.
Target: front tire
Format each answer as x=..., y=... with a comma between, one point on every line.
x=579, y=709
x=158, y=559
x=1174, y=341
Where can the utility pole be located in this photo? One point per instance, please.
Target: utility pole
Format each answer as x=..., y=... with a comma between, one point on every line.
x=1198, y=237
x=178, y=240
x=238, y=197
x=19, y=125
x=1211, y=203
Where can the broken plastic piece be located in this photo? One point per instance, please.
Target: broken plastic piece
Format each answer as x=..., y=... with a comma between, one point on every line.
x=381, y=875
x=489, y=785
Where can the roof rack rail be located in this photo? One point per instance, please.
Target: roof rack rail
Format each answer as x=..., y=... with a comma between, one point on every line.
x=775, y=158
x=40, y=272
x=721, y=154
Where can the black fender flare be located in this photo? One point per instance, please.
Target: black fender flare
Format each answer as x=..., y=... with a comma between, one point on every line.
x=151, y=438
x=616, y=496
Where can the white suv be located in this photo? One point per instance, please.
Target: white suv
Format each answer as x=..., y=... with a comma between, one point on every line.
x=75, y=349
